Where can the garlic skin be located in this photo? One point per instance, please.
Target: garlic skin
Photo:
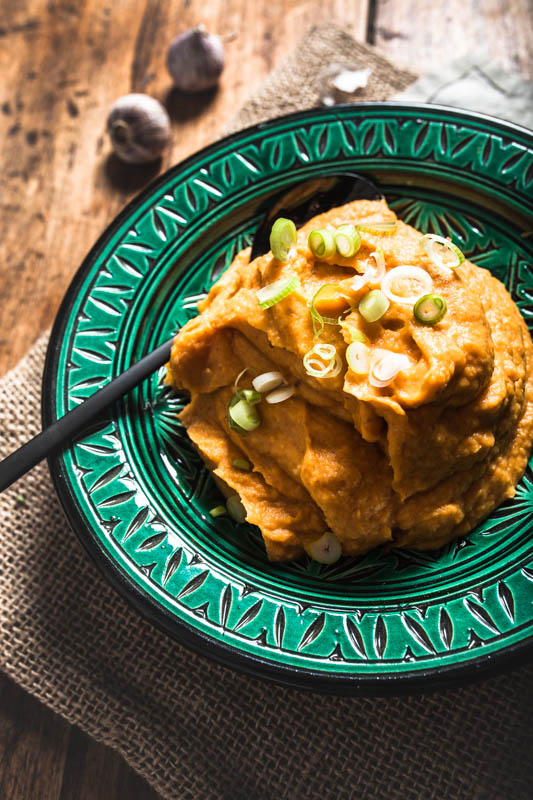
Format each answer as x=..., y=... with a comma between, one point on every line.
x=139, y=128
x=195, y=60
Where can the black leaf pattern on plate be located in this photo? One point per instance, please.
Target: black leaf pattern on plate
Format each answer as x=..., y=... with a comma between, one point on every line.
x=116, y=499
x=138, y=520
x=505, y=596
x=249, y=615
x=481, y=614
x=225, y=605
x=313, y=631
x=172, y=565
x=355, y=637
x=106, y=478
x=153, y=541
x=279, y=627
x=418, y=633
x=193, y=584
x=445, y=628
x=380, y=636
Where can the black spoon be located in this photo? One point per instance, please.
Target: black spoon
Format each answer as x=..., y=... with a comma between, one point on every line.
x=299, y=202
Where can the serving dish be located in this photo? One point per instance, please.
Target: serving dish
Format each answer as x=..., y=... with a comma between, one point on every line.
x=137, y=494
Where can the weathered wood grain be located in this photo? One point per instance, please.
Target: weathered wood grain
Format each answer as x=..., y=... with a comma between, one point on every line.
x=62, y=65
x=424, y=34
x=43, y=757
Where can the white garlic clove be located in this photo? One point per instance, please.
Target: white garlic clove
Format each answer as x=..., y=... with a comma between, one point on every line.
x=139, y=128
x=326, y=550
x=195, y=60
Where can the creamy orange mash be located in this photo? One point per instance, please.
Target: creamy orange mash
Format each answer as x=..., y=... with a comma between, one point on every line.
x=414, y=463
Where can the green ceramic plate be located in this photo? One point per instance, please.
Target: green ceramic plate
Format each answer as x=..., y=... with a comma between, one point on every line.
x=136, y=492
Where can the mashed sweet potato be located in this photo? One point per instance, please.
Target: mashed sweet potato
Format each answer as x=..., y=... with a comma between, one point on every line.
x=414, y=463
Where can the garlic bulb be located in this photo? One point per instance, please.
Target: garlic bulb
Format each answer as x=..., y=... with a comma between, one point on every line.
x=139, y=128
x=195, y=60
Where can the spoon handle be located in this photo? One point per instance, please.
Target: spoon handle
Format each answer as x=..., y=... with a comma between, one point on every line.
x=67, y=427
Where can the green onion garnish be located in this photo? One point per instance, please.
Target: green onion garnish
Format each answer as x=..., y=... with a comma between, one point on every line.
x=377, y=227
x=430, y=239
x=282, y=238
x=250, y=395
x=347, y=241
x=373, y=305
x=314, y=361
x=270, y=295
x=358, y=358
x=430, y=309
x=218, y=511
x=245, y=416
x=236, y=508
x=322, y=243
x=242, y=463
x=326, y=291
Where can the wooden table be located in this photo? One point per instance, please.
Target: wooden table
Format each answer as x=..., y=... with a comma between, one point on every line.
x=62, y=63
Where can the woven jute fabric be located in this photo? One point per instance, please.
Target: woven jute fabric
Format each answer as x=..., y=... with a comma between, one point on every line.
x=196, y=730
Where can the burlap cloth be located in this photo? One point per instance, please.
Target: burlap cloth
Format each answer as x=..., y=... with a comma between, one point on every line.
x=196, y=730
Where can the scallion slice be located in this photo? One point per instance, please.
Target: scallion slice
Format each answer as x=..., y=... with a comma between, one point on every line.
x=270, y=295
x=347, y=241
x=314, y=359
x=218, y=511
x=373, y=305
x=322, y=243
x=267, y=381
x=282, y=238
x=242, y=463
x=326, y=550
x=318, y=320
x=429, y=241
x=244, y=415
x=385, y=365
x=280, y=394
x=236, y=508
x=377, y=227
x=430, y=309
x=357, y=356
x=250, y=395
x=415, y=280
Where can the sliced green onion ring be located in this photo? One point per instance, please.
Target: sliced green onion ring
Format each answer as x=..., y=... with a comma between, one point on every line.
x=347, y=241
x=377, y=227
x=406, y=273
x=218, y=511
x=429, y=241
x=275, y=292
x=314, y=359
x=326, y=550
x=267, y=381
x=325, y=351
x=250, y=395
x=236, y=508
x=242, y=463
x=280, y=394
x=358, y=357
x=385, y=365
x=317, y=319
x=282, y=238
x=430, y=309
x=243, y=415
x=373, y=305
x=322, y=243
